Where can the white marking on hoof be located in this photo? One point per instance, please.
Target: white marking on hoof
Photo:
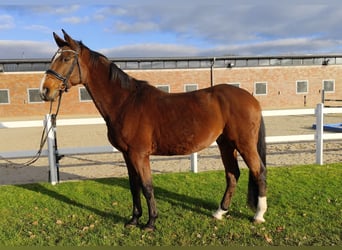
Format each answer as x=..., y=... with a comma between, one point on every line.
x=261, y=209
x=259, y=221
x=219, y=213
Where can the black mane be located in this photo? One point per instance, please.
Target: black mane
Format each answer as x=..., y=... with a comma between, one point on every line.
x=115, y=72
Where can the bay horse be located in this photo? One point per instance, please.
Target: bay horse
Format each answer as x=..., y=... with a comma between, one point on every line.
x=143, y=120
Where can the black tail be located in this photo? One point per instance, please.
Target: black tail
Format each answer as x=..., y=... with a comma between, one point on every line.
x=253, y=188
x=262, y=142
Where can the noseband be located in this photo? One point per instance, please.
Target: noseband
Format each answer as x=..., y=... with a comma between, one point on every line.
x=65, y=79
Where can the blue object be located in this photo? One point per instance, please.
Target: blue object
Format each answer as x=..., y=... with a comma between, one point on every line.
x=334, y=127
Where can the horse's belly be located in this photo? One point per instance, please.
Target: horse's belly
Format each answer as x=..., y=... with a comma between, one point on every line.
x=187, y=135
x=183, y=146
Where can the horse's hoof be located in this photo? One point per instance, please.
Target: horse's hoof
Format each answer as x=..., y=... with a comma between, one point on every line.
x=131, y=223
x=258, y=221
x=219, y=213
x=149, y=228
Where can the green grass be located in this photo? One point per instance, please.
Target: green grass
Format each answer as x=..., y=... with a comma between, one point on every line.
x=305, y=208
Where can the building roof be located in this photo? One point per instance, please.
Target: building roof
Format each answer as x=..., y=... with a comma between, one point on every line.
x=30, y=65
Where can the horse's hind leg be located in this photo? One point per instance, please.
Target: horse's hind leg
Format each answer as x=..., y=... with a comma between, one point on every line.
x=229, y=158
x=257, y=181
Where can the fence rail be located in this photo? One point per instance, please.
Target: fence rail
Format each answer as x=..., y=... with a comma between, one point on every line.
x=50, y=152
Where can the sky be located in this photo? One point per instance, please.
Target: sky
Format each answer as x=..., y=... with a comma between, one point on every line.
x=177, y=28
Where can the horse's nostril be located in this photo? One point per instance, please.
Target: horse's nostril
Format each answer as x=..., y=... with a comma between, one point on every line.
x=43, y=93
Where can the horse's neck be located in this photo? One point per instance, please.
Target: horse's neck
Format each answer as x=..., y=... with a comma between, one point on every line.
x=108, y=89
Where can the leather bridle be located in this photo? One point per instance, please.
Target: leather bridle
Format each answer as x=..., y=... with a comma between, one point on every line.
x=65, y=79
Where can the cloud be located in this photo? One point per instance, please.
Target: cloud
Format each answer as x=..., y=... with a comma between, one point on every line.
x=230, y=22
x=6, y=22
x=39, y=28
x=28, y=49
x=136, y=27
x=67, y=9
x=12, y=49
x=287, y=46
x=50, y=8
x=75, y=20
x=181, y=28
x=151, y=50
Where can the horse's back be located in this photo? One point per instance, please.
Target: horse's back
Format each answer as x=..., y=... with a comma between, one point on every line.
x=236, y=100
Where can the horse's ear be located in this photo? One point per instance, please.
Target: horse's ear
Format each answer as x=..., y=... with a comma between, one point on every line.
x=71, y=42
x=59, y=41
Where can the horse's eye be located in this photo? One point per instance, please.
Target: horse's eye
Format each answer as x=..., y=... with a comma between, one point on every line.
x=66, y=59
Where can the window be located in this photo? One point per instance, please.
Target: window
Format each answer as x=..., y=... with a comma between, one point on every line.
x=194, y=64
x=165, y=88
x=182, y=64
x=302, y=87
x=170, y=64
x=236, y=84
x=329, y=86
x=190, y=87
x=34, y=96
x=260, y=88
x=157, y=65
x=132, y=65
x=275, y=61
x=338, y=60
x=206, y=63
x=4, y=96
x=241, y=62
x=84, y=95
x=252, y=62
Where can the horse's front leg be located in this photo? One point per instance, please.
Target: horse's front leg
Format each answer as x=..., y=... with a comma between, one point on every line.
x=141, y=166
x=135, y=187
x=151, y=203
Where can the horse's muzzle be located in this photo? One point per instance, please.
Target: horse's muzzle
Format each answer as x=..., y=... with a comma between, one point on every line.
x=47, y=95
x=43, y=94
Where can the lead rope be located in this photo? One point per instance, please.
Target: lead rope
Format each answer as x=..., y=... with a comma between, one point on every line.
x=43, y=140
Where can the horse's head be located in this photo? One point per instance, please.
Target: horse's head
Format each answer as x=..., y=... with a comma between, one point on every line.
x=65, y=69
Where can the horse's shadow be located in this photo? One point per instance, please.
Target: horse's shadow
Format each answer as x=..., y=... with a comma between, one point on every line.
x=175, y=199
x=195, y=205
x=186, y=202
x=41, y=189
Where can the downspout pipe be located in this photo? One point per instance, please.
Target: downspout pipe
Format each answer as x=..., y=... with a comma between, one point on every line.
x=212, y=71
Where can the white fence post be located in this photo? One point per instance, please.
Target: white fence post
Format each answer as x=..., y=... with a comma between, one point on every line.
x=51, y=142
x=193, y=159
x=319, y=133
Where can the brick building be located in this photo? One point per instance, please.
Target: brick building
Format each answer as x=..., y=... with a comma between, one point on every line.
x=277, y=82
